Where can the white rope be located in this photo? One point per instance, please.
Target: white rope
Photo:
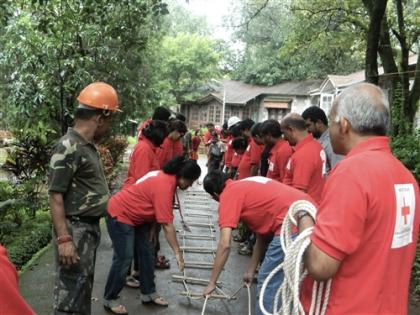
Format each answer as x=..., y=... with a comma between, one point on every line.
x=293, y=269
x=231, y=297
x=204, y=305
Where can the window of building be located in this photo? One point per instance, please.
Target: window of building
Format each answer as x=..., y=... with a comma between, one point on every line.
x=203, y=116
x=211, y=113
x=227, y=113
x=326, y=102
x=218, y=114
x=236, y=112
x=277, y=113
x=194, y=112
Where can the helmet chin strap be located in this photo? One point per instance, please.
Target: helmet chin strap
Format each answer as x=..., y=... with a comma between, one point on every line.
x=105, y=112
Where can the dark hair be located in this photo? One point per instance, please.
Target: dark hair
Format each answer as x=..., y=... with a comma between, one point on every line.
x=295, y=121
x=315, y=113
x=239, y=143
x=161, y=113
x=208, y=125
x=235, y=131
x=182, y=167
x=156, y=131
x=177, y=125
x=214, y=182
x=180, y=117
x=86, y=114
x=245, y=124
x=256, y=130
x=225, y=126
x=271, y=127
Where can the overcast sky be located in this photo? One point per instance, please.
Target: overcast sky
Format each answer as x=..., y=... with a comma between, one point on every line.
x=213, y=10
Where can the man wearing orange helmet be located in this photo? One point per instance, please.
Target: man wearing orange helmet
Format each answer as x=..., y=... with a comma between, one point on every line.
x=78, y=197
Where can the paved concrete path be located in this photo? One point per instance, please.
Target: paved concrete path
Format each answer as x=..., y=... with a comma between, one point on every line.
x=36, y=284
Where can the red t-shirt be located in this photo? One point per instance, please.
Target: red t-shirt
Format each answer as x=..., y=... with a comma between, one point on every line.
x=11, y=302
x=168, y=150
x=150, y=199
x=261, y=203
x=178, y=148
x=279, y=156
x=306, y=168
x=229, y=153
x=207, y=138
x=143, y=159
x=195, y=143
x=369, y=220
x=252, y=156
x=236, y=159
x=142, y=126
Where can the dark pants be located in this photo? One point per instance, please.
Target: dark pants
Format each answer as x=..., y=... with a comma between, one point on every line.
x=122, y=236
x=73, y=285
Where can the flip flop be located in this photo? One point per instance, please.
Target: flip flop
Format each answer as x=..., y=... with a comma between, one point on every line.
x=132, y=282
x=162, y=263
x=112, y=309
x=159, y=301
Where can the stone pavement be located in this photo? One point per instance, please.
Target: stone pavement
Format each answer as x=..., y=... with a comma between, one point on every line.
x=36, y=284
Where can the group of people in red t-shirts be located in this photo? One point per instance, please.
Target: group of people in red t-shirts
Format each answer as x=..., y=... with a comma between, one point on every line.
x=367, y=202
x=367, y=222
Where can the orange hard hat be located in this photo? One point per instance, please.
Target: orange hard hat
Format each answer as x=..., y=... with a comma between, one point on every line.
x=99, y=95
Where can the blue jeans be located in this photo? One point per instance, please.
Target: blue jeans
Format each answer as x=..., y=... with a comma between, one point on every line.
x=274, y=256
x=122, y=236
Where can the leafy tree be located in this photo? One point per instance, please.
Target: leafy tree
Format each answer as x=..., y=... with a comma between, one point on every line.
x=279, y=46
x=187, y=62
x=52, y=49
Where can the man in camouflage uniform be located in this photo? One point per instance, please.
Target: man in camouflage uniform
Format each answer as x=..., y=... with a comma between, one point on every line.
x=78, y=197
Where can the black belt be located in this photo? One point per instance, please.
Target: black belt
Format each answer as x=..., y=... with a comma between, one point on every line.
x=84, y=219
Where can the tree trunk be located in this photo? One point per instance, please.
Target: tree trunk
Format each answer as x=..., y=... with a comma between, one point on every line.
x=376, y=11
x=414, y=96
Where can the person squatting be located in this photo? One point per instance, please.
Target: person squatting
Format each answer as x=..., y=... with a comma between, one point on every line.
x=367, y=220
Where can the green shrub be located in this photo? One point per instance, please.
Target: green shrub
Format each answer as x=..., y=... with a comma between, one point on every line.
x=407, y=149
x=116, y=146
x=29, y=238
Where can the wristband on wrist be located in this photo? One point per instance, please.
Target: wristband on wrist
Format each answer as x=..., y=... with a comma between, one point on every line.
x=64, y=239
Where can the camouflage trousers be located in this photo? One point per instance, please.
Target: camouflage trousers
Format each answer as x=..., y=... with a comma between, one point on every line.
x=73, y=285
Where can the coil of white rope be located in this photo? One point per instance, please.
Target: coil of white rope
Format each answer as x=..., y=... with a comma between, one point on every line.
x=293, y=269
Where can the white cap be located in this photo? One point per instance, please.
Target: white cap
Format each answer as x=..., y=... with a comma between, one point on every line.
x=233, y=121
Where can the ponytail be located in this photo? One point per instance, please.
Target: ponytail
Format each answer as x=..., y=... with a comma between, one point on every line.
x=156, y=131
x=182, y=167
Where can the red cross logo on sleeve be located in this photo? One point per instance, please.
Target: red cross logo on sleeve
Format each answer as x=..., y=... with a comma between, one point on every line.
x=405, y=211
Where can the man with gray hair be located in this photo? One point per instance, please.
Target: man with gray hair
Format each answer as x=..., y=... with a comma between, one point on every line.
x=368, y=221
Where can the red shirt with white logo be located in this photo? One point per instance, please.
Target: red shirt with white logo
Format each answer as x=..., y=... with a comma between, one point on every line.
x=143, y=159
x=279, y=156
x=306, y=168
x=11, y=301
x=261, y=203
x=369, y=220
x=252, y=156
x=150, y=199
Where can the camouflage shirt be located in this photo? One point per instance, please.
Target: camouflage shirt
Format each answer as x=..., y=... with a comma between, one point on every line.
x=76, y=171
